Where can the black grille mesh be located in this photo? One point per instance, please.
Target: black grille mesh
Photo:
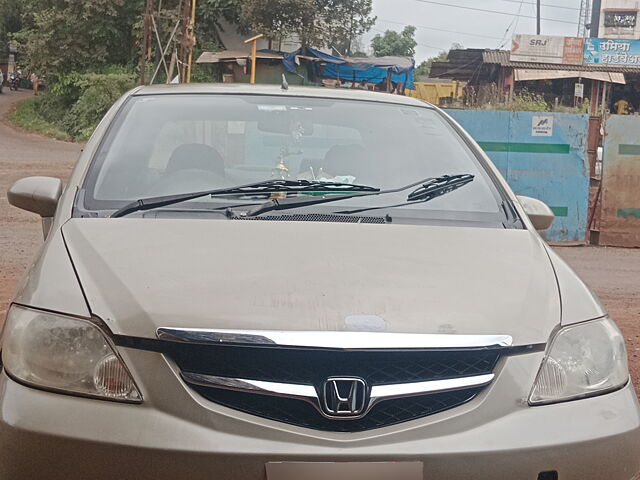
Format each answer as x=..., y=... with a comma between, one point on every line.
x=303, y=414
x=314, y=366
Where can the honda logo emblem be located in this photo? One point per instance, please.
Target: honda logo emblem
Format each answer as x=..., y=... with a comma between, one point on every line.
x=345, y=397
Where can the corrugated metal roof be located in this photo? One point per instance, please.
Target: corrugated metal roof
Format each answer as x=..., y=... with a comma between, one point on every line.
x=525, y=74
x=501, y=57
x=231, y=55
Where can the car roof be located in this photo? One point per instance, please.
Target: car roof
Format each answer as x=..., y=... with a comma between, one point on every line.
x=292, y=91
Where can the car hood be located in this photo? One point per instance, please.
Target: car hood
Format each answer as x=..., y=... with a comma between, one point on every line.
x=141, y=274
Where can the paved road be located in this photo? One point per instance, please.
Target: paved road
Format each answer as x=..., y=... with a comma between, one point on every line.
x=21, y=155
x=613, y=273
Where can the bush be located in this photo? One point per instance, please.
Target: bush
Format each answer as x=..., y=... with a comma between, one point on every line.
x=97, y=92
x=27, y=116
x=525, y=101
x=76, y=102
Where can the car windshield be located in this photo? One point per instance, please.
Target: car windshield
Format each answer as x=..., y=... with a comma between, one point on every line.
x=172, y=144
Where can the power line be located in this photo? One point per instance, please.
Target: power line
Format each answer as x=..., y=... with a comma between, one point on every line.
x=514, y=24
x=440, y=29
x=420, y=44
x=543, y=4
x=493, y=11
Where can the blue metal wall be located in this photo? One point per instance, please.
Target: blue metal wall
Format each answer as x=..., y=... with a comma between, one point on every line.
x=552, y=168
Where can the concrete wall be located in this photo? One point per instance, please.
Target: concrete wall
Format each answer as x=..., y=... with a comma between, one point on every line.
x=542, y=155
x=620, y=213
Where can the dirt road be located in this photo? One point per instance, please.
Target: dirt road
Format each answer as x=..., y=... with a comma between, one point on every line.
x=614, y=274
x=21, y=155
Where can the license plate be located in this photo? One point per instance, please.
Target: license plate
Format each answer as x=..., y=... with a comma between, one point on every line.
x=344, y=471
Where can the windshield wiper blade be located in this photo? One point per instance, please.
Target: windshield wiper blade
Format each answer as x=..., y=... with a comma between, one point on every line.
x=269, y=186
x=428, y=186
x=440, y=186
x=434, y=188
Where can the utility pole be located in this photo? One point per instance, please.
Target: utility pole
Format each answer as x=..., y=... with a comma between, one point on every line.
x=538, y=17
x=146, y=41
x=186, y=43
x=192, y=29
x=596, y=6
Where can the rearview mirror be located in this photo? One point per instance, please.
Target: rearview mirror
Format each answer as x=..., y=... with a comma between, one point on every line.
x=38, y=195
x=538, y=212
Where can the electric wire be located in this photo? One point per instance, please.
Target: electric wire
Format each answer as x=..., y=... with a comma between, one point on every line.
x=440, y=49
x=431, y=2
x=514, y=24
x=439, y=29
x=548, y=5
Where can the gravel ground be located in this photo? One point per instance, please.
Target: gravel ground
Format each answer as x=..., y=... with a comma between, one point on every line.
x=613, y=273
x=21, y=155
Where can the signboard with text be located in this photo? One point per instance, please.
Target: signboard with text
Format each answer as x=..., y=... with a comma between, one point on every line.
x=547, y=49
x=537, y=48
x=620, y=18
x=609, y=51
x=542, y=126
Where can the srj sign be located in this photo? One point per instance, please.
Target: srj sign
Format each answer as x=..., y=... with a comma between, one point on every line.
x=609, y=51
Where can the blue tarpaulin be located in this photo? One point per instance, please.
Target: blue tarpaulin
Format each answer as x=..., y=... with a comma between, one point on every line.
x=368, y=69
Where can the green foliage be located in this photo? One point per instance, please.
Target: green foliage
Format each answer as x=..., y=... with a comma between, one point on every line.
x=95, y=95
x=317, y=23
x=27, y=116
x=524, y=101
x=424, y=69
x=585, y=108
x=79, y=35
x=345, y=21
x=209, y=14
x=392, y=43
x=75, y=104
x=10, y=22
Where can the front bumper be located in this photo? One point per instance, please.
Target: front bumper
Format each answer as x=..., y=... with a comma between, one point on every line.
x=47, y=435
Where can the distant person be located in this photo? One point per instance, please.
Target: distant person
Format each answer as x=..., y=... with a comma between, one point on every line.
x=622, y=107
x=35, y=81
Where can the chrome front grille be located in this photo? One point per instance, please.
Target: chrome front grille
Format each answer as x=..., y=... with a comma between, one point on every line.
x=288, y=383
x=302, y=414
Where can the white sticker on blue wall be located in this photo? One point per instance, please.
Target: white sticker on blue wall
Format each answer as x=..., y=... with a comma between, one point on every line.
x=542, y=126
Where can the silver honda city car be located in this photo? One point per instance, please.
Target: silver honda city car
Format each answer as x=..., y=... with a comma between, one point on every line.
x=256, y=283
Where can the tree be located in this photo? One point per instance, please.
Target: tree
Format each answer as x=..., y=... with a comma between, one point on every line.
x=317, y=23
x=10, y=23
x=79, y=35
x=208, y=16
x=345, y=21
x=396, y=44
x=424, y=69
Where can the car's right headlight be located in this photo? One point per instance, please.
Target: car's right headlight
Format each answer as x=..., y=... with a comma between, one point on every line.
x=64, y=354
x=582, y=360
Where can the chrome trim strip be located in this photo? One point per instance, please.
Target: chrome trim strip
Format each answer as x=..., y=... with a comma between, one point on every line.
x=332, y=340
x=308, y=393
x=388, y=392
x=252, y=386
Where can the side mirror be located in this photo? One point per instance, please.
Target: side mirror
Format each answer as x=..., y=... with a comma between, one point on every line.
x=38, y=195
x=538, y=212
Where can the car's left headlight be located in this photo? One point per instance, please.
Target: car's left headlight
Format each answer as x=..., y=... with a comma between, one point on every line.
x=64, y=354
x=582, y=360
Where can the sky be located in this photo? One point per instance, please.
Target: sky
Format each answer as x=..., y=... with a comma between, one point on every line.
x=472, y=29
